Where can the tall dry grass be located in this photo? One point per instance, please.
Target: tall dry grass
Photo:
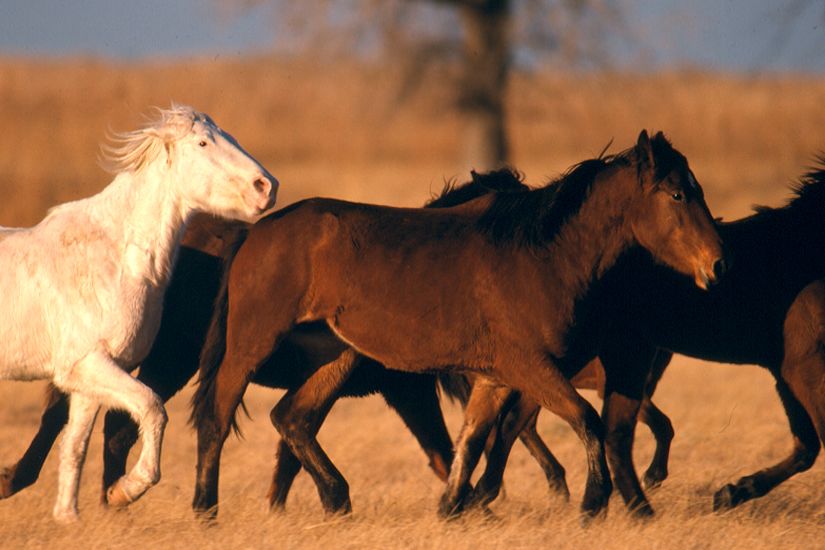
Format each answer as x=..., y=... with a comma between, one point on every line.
x=338, y=131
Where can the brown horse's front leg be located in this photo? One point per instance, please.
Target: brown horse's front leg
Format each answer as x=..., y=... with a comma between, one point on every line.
x=298, y=417
x=523, y=412
x=26, y=471
x=488, y=401
x=541, y=380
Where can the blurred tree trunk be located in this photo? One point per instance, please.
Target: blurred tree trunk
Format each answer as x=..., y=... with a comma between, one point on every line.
x=482, y=94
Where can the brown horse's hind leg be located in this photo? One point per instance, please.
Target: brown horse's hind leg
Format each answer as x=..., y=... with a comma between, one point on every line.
x=26, y=471
x=298, y=417
x=488, y=401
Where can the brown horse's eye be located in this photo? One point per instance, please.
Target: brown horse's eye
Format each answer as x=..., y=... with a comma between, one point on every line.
x=677, y=196
x=202, y=143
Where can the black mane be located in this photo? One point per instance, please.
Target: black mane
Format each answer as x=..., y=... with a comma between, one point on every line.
x=504, y=180
x=809, y=194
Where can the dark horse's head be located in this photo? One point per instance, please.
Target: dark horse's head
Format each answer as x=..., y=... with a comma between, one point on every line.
x=670, y=218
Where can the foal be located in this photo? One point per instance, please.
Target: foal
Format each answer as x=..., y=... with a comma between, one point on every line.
x=84, y=287
x=497, y=286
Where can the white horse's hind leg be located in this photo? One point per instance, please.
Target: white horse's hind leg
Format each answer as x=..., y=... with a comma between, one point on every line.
x=82, y=412
x=99, y=376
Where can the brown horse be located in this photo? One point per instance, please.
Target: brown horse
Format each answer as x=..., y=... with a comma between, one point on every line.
x=173, y=360
x=506, y=285
x=759, y=314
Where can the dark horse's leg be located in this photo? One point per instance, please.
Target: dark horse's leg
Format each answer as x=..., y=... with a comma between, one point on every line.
x=801, y=386
x=27, y=469
x=166, y=371
x=298, y=417
x=488, y=401
x=552, y=468
x=658, y=422
x=627, y=363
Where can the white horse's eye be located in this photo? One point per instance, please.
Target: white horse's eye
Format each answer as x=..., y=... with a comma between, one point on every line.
x=202, y=143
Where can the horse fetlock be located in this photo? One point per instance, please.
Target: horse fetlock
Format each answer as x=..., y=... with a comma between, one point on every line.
x=452, y=501
x=8, y=483
x=653, y=478
x=747, y=488
x=66, y=516
x=596, y=496
x=129, y=488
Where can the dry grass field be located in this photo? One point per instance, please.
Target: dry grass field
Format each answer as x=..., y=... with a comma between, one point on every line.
x=339, y=131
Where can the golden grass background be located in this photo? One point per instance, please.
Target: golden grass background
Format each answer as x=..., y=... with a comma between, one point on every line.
x=341, y=130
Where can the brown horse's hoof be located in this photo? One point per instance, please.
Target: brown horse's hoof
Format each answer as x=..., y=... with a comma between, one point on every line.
x=643, y=511
x=653, y=480
x=117, y=497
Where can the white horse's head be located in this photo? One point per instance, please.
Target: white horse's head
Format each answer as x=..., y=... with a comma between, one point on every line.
x=211, y=171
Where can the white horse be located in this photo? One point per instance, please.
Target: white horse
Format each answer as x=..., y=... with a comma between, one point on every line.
x=83, y=289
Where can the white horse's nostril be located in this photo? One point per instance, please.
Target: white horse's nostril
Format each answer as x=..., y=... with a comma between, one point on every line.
x=260, y=185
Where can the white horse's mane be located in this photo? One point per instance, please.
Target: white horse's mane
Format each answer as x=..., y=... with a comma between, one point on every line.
x=130, y=151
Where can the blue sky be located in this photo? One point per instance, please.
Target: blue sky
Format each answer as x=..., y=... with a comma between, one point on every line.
x=742, y=35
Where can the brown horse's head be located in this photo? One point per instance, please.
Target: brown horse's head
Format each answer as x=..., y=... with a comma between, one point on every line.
x=672, y=220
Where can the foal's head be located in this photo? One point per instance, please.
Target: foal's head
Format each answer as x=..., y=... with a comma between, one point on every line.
x=671, y=219
x=210, y=171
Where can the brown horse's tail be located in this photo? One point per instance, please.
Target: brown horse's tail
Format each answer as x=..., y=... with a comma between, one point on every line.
x=456, y=386
x=214, y=348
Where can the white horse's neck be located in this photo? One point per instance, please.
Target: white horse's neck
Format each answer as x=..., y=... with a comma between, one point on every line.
x=151, y=219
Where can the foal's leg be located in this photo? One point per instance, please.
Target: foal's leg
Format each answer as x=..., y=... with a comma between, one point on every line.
x=488, y=401
x=298, y=417
x=166, y=374
x=82, y=412
x=100, y=378
x=25, y=472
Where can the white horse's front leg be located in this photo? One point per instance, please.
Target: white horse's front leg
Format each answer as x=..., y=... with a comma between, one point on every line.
x=82, y=412
x=99, y=376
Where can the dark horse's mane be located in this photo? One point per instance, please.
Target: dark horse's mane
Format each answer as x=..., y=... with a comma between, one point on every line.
x=809, y=194
x=534, y=218
x=505, y=180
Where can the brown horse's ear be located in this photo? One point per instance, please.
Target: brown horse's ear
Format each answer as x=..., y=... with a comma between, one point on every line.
x=645, y=151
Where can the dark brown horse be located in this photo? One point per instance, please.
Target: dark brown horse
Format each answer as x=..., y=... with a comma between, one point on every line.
x=173, y=360
x=506, y=285
x=759, y=314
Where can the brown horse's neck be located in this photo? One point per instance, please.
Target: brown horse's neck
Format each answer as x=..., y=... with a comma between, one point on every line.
x=591, y=241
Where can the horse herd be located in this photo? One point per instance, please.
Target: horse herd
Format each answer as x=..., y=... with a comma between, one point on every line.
x=506, y=298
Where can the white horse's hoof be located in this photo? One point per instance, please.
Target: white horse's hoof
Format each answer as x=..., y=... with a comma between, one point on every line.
x=66, y=517
x=117, y=497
